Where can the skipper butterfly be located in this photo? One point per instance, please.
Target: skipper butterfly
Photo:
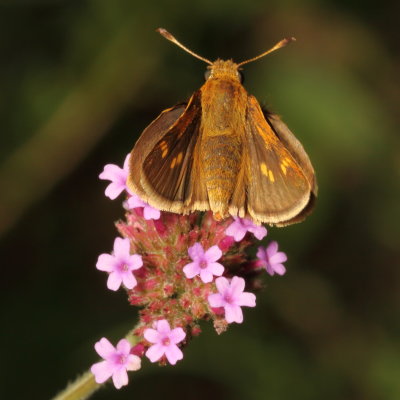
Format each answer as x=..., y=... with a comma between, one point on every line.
x=222, y=152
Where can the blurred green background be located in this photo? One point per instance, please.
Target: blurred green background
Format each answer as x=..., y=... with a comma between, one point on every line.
x=79, y=82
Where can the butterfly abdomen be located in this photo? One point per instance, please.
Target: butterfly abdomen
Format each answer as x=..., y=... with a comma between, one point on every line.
x=220, y=164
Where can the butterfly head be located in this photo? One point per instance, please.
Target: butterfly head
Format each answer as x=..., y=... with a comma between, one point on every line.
x=223, y=69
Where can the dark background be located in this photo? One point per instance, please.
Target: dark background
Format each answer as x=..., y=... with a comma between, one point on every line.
x=79, y=82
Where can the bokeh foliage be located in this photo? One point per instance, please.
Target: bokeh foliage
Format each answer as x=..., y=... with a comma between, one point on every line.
x=81, y=79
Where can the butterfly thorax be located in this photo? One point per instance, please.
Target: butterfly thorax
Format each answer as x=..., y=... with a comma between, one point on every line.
x=223, y=104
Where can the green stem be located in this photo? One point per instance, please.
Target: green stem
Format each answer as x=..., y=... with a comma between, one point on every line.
x=85, y=385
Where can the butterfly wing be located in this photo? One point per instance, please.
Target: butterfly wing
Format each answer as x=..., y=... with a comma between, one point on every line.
x=164, y=166
x=278, y=186
x=297, y=151
x=146, y=142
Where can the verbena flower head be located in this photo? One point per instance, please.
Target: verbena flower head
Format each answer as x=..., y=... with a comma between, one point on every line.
x=271, y=259
x=204, y=263
x=164, y=342
x=120, y=265
x=181, y=269
x=117, y=360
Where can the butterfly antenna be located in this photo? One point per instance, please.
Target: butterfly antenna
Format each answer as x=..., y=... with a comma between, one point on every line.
x=170, y=37
x=279, y=45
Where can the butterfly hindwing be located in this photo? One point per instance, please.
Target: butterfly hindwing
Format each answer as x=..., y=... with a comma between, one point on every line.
x=277, y=187
x=299, y=154
x=294, y=146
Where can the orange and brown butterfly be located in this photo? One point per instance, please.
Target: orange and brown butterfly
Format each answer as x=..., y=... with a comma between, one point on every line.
x=221, y=152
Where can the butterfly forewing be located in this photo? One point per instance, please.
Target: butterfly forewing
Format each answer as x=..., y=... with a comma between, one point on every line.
x=168, y=168
x=148, y=139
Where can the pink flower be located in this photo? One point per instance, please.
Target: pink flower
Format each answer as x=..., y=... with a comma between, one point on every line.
x=117, y=176
x=231, y=297
x=272, y=259
x=116, y=362
x=204, y=263
x=240, y=226
x=148, y=211
x=165, y=342
x=120, y=265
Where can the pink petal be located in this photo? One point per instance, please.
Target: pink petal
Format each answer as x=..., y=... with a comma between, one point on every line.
x=191, y=270
x=261, y=253
x=120, y=378
x=280, y=269
x=155, y=352
x=245, y=222
x=216, y=269
x=259, y=231
x=233, y=314
x=113, y=190
x=236, y=230
x=196, y=251
x=104, y=348
x=278, y=258
x=213, y=254
x=133, y=363
x=215, y=300
x=239, y=235
x=105, y=262
x=237, y=285
x=123, y=346
x=163, y=326
x=269, y=269
x=135, y=202
x=115, y=174
x=121, y=247
x=114, y=281
x=272, y=248
x=206, y=276
x=247, y=299
x=110, y=172
x=151, y=335
x=126, y=163
x=129, y=280
x=101, y=371
x=222, y=284
x=135, y=262
x=173, y=354
x=177, y=335
x=151, y=213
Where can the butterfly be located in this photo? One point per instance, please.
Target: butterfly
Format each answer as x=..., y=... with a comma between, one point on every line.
x=222, y=152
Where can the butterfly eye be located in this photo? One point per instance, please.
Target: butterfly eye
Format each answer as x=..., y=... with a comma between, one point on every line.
x=207, y=74
x=241, y=76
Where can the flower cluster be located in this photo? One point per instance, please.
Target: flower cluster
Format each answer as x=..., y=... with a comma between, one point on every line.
x=179, y=269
